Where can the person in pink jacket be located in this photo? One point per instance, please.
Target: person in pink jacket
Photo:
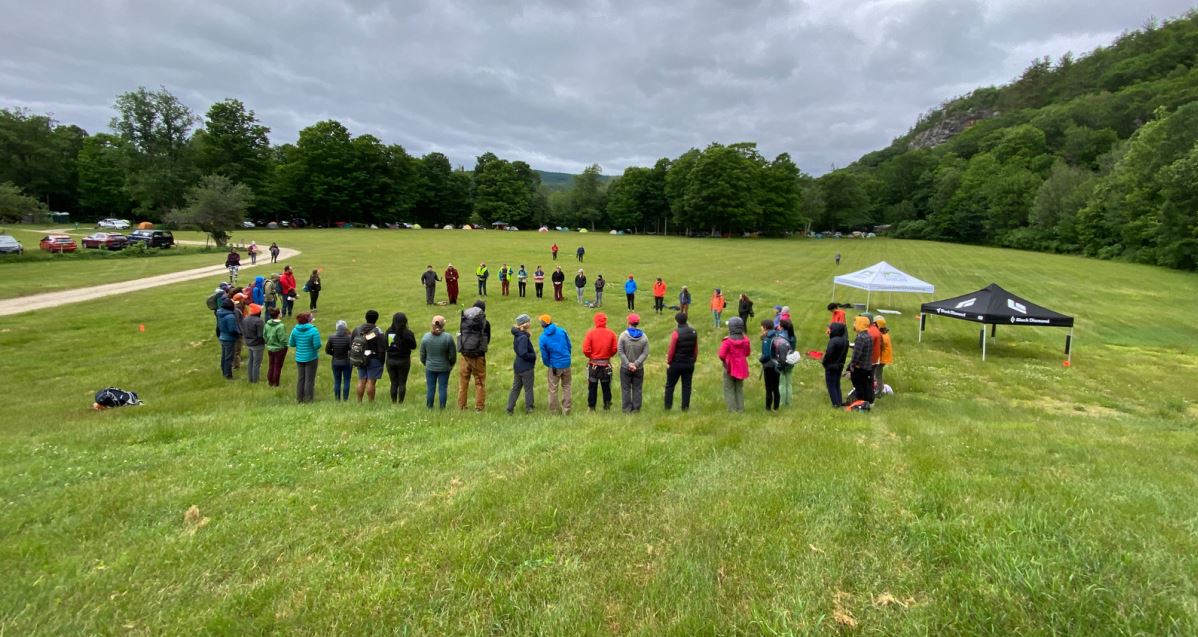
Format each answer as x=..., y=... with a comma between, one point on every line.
x=734, y=352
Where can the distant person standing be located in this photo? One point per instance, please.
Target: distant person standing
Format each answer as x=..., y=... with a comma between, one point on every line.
x=599, y=346
x=734, y=354
x=374, y=351
x=555, y=356
x=744, y=308
x=276, y=347
x=505, y=279
x=769, y=365
x=337, y=347
x=228, y=332
x=600, y=283
x=684, y=301
x=522, y=280
x=451, y=284
x=559, y=279
x=553, y=250
x=400, y=344
x=523, y=366
x=483, y=274
x=429, y=280
x=837, y=258
x=287, y=281
x=786, y=378
x=833, y=361
x=305, y=338
x=580, y=285
x=274, y=252
x=581, y=251
x=438, y=355
x=680, y=361
x=861, y=366
x=313, y=289
x=659, y=295
x=630, y=292
x=253, y=330
x=633, y=348
x=233, y=264
x=886, y=353
x=253, y=252
x=538, y=281
x=717, y=308
x=473, y=339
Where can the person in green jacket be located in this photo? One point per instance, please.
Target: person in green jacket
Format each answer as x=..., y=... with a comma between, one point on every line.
x=305, y=338
x=438, y=353
x=483, y=274
x=276, y=347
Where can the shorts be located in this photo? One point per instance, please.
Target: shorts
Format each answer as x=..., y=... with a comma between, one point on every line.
x=372, y=371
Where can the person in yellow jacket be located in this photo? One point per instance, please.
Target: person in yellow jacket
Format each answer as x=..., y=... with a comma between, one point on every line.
x=886, y=356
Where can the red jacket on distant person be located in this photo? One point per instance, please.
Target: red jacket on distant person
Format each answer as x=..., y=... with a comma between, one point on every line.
x=287, y=281
x=876, y=336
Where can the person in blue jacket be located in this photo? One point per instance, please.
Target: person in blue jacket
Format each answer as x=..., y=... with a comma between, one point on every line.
x=630, y=292
x=555, y=355
x=228, y=331
x=522, y=367
x=305, y=339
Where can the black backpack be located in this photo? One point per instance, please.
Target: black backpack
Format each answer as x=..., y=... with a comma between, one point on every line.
x=113, y=397
x=779, y=350
x=471, y=340
x=360, y=345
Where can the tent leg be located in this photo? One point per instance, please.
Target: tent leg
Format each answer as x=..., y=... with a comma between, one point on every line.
x=867, y=295
x=993, y=330
x=923, y=319
x=982, y=337
x=1069, y=347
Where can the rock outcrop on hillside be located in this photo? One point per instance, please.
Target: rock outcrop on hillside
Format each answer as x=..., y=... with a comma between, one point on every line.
x=948, y=127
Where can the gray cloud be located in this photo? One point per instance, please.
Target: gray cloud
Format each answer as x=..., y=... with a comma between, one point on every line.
x=557, y=84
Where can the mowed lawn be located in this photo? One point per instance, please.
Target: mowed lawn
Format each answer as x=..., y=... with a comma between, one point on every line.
x=1014, y=496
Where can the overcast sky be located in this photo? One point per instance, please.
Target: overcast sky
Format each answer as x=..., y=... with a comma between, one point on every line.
x=559, y=84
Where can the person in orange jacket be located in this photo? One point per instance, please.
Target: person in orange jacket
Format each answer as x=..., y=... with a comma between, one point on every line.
x=659, y=295
x=599, y=345
x=717, y=306
x=875, y=335
x=886, y=353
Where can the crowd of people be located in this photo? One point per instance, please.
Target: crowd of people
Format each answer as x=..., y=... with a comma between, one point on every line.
x=251, y=319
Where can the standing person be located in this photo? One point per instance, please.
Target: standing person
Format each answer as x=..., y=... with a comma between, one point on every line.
x=374, y=353
x=553, y=250
x=734, y=353
x=451, y=284
x=538, y=280
x=680, y=361
x=274, y=252
x=228, y=332
x=634, y=350
x=861, y=366
x=258, y=293
x=276, y=347
x=429, y=279
x=581, y=251
x=523, y=365
x=785, y=384
x=744, y=309
x=558, y=278
x=684, y=301
x=630, y=292
x=239, y=313
x=312, y=287
x=769, y=365
x=271, y=292
x=875, y=335
x=400, y=343
x=287, y=283
x=483, y=274
x=253, y=331
x=337, y=347
x=599, y=346
x=473, y=338
x=580, y=285
x=253, y=250
x=833, y=361
x=659, y=295
x=233, y=264
x=505, y=278
x=837, y=258
x=837, y=314
x=305, y=338
x=885, y=355
x=717, y=307
x=438, y=355
x=600, y=283
x=555, y=355
x=522, y=280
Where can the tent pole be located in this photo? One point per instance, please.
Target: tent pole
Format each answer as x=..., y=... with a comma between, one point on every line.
x=1069, y=346
x=993, y=330
x=923, y=318
x=867, y=295
x=982, y=334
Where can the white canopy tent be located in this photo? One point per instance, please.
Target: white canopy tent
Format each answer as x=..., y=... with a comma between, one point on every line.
x=882, y=277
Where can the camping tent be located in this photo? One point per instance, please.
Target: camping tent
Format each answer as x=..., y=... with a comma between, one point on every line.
x=881, y=277
x=543, y=229
x=993, y=305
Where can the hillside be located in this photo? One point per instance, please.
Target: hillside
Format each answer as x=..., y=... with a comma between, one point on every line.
x=561, y=180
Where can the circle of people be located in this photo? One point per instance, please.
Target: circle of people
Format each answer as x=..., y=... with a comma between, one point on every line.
x=250, y=319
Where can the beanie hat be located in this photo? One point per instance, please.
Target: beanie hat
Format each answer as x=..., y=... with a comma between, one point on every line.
x=634, y=319
x=680, y=318
x=523, y=319
x=545, y=319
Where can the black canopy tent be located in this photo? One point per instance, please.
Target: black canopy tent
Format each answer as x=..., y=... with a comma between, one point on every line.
x=992, y=306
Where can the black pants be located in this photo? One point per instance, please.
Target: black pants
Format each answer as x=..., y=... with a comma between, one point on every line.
x=659, y=304
x=482, y=287
x=312, y=296
x=522, y=285
x=430, y=293
x=305, y=381
x=832, y=380
x=288, y=305
x=772, y=397
x=598, y=375
x=863, y=384
x=580, y=257
x=397, y=371
x=674, y=373
x=540, y=290
x=631, y=301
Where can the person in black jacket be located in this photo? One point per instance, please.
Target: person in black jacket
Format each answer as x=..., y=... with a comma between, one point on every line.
x=313, y=289
x=558, y=278
x=745, y=309
x=580, y=284
x=833, y=361
x=522, y=368
x=376, y=355
x=861, y=366
x=337, y=347
x=429, y=279
x=400, y=344
x=680, y=361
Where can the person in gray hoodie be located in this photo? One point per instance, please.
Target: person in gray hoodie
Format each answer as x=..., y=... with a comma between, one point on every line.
x=252, y=331
x=522, y=367
x=438, y=355
x=633, y=348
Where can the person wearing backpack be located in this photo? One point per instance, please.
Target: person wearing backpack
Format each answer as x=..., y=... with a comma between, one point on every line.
x=215, y=299
x=474, y=336
x=523, y=365
x=337, y=347
x=558, y=278
x=305, y=338
x=451, y=284
x=833, y=362
x=630, y=292
x=429, y=279
x=438, y=355
x=276, y=347
x=861, y=366
x=274, y=252
x=253, y=329
x=555, y=355
x=312, y=287
x=580, y=285
x=680, y=361
x=599, y=346
x=270, y=293
x=600, y=283
x=400, y=344
x=228, y=332
x=633, y=348
x=538, y=280
x=785, y=387
x=368, y=352
x=659, y=295
x=774, y=348
x=734, y=354
x=482, y=273
x=522, y=280
x=505, y=279
x=717, y=307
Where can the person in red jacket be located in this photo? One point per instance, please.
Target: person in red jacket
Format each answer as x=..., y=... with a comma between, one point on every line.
x=287, y=281
x=451, y=284
x=599, y=345
x=659, y=295
x=553, y=249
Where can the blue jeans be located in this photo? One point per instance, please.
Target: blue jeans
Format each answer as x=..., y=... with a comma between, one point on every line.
x=341, y=382
x=436, y=381
x=227, y=348
x=716, y=316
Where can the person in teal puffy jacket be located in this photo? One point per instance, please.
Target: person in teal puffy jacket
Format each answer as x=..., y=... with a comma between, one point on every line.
x=305, y=338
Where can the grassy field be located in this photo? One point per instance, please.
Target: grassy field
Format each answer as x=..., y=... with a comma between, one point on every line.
x=1013, y=496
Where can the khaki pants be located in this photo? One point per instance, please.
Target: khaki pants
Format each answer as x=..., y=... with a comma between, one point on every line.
x=476, y=365
x=559, y=378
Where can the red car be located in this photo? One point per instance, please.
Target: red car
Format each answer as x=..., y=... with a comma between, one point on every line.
x=108, y=240
x=57, y=243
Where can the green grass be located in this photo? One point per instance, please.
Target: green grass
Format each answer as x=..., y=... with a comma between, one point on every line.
x=1007, y=497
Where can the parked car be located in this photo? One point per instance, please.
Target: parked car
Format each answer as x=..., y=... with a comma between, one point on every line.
x=115, y=224
x=57, y=243
x=107, y=240
x=247, y=224
x=152, y=238
x=299, y=222
x=9, y=245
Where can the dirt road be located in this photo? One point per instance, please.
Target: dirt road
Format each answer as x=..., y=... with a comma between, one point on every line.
x=23, y=304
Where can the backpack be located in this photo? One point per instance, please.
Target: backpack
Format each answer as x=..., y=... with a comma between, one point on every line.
x=212, y=301
x=113, y=397
x=779, y=352
x=358, y=347
x=471, y=341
